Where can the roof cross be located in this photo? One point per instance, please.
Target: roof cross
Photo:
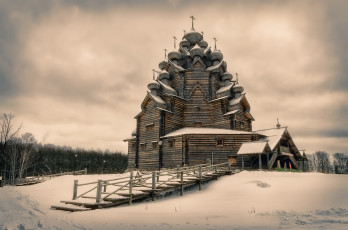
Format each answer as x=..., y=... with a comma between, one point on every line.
x=184, y=32
x=215, y=42
x=153, y=75
x=202, y=33
x=278, y=125
x=237, y=78
x=193, y=18
x=165, y=53
x=174, y=42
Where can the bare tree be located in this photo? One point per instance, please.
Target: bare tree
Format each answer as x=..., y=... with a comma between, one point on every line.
x=323, y=162
x=340, y=160
x=8, y=154
x=27, y=153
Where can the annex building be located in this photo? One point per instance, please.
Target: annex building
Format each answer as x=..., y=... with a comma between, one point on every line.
x=195, y=111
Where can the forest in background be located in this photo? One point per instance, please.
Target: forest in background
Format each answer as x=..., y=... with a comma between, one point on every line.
x=22, y=156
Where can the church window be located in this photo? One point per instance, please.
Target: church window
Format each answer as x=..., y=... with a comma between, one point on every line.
x=171, y=143
x=242, y=125
x=220, y=142
x=154, y=145
x=149, y=127
x=197, y=124
x=143, y=146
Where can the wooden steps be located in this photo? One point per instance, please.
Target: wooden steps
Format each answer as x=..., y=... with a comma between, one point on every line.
x=70, y=208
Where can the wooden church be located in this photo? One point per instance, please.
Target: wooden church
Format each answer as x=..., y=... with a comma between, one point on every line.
x=196, y=112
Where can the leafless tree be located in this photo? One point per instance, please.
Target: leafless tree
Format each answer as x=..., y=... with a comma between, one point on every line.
x=8, y=154
x=323, y=162
x=340, y=162
x=27, y=153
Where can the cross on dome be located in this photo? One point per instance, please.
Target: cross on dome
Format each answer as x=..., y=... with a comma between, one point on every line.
x=165, y=53
x=174, y=42
x=215, y=42
x=193, y=18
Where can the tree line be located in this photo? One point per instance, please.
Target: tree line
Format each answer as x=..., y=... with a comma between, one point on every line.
x=21, y=156
x=320, y=162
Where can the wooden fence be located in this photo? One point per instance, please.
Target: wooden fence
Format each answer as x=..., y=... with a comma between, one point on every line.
x=140, y=185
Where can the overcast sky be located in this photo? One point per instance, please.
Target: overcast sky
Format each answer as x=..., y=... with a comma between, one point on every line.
x=75, y=72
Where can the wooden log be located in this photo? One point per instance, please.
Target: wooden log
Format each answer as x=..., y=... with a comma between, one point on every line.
x=99, y=189
x=182, y=183
x=75, y=189
x=153, y=185
x=200, y=177
x=130, y=187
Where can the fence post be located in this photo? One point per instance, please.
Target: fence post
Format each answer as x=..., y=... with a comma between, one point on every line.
x=216, y=172
x=200, y=177
x=75, y=189
x=178, y=173
x=85, y=171
x=131, y=187
x=229, y=165
x=99, y=188
x=153, y=185
x=105, y=184
x=182, y=183
x=158, y=175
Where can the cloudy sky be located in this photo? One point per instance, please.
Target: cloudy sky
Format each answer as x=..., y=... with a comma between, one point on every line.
x=75, y=72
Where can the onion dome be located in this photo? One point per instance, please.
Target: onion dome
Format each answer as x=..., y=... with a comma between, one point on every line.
x=184, y=43
x=197, y=51
x=153, y=85
x=174, y=55
x=164, y=75
x=203, y=44
x=224, y=66
x=193, y=37
x=216, y=55
x=237, y=88
x=162, y=65
x=226, y=76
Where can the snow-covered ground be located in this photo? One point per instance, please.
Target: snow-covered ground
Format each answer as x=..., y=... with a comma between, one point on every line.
x=248, y=200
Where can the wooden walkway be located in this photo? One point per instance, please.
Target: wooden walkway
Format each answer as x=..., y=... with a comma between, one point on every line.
x=140, y=186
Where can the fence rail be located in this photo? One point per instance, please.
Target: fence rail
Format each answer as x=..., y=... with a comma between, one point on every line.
x=145, y=184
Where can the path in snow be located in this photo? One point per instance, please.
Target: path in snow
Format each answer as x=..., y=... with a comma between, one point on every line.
x=248, y=200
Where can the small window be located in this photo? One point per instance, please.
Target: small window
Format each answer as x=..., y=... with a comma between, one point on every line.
x=197, y=108
x=242, y=125
x=171, y=143
x=197, y=124
x=149, y=127
x=154, y=145
x=143, y=146
x=219, y=142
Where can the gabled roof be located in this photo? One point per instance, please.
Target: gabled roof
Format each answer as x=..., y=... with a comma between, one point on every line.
x=212, y=131
x=273, y=136
x=157, y=99
x=255, y=147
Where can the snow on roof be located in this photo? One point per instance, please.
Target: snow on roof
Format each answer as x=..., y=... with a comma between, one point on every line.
x=168, y=88
x=224, y=88
x=252, y=147
x=192, y=130
x=214, y=67
x=236, y=100
x=157, y=99
x=272, y=135
x=231, y=112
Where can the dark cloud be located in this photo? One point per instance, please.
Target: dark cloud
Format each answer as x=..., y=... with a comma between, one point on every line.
x=81, y=67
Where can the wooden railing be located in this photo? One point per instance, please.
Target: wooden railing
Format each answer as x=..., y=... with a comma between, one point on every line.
x=147, y=183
